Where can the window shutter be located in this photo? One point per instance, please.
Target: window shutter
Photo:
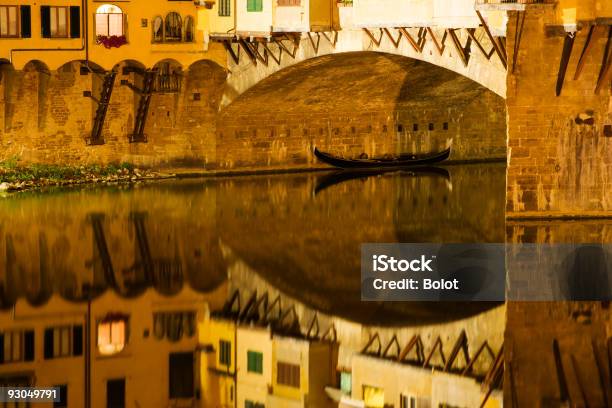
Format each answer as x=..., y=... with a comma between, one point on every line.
x=28, y=345
x=77, y=340
x=26, y=21
x=75, y=22
x=250, y=5
x=45, y=21
x=259, y=5
x=1, y=348
x=48, y=343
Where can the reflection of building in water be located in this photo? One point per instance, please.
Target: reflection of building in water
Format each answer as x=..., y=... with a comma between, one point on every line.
x=109, y=352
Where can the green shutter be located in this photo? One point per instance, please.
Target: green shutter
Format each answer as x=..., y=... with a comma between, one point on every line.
x=254, y=362
x=254, y=5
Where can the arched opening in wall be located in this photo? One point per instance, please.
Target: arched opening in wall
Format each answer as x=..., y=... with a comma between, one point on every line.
x=7, y=83
x=158, y=29
x=425, y=108
x=109, y=21
x=167, y=87
x=173, y=27
x=38, y=75
x=189, y=29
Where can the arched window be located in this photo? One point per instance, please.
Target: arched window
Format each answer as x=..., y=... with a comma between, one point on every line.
x=173, y=27
x=189, y=29
x=158, y=29
x=109, y=21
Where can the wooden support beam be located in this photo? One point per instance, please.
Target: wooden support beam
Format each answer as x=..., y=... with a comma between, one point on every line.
x=283, y=47
x=472, y=33
x=440, y=45
x=331, y=334
x=315, y=47
x=230, y=50
x=276, y=302
x=601, y=374
x=606, y=65
x=254, y=46
x=460, y=345
x=463, y=52
x=580, y=382
x=561, y=378
x=415, y=44
x=333, y=41
x=395, y=42
x=484, y=346
x=518, y=36
x=594, y=33
x=416, y=343
x=392, y=342
x=248, y=51
x=501, y=54
x=437, y=346
x=374, y=40
x=568, y=44
x=271, y=54
x=373, y=338
x=313, y=328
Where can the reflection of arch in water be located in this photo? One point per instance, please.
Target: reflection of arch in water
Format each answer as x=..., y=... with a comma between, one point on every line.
x=586, y=276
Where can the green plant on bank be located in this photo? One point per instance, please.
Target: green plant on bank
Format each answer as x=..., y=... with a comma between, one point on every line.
x=12, y=171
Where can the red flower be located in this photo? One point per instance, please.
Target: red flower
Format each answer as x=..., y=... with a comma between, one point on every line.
x=114, y=41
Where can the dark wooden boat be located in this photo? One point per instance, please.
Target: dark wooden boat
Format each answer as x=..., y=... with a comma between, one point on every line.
x=403, y=160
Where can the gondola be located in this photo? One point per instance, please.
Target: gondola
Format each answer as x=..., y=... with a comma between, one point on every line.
x=403, y=160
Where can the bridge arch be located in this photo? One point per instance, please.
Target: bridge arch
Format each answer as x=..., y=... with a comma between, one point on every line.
x=468, y=52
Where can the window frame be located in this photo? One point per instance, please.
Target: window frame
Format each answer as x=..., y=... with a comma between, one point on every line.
x=188, y=19
x=288, y=375
x=110, y=322
x=254, y=362
x=8, y=357
x=154, y=37
x=108, y=34
x=179, y=26
x=17, y=21
x=54, y=10
x=225, y=352
x=226, y=10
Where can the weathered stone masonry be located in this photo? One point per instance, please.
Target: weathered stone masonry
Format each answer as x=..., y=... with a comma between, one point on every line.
x=46, y=118
x=557, y=166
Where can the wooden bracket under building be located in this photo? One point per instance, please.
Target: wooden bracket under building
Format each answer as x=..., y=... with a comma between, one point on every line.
x=606, y=65
x=108, y=83
x=376, y=41
x=395, y=42
x=568, y=45
x=500, y=48
x=463, y=51
x=440, y=45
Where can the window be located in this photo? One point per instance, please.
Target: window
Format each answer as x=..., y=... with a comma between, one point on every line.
x=173, y=27
x=112, y=335
x=158, y=29
x=254, y=362
x=288, y=374
x=346, y=383
x=63, y=341
x=8, y=21
x=181, y=375
x=109, y=21
x=16, y=346
x=115, y=393
x=60, y=22
x=408, y=401
x=224, y=8
x=189, y=29
x=252, y=404
x=63, y=397
x=373, y=397
x=225, y=350
x=254, y=5
x=289, y=3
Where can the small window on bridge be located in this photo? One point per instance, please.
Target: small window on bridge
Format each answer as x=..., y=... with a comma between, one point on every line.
x=445, y=126
x=431, y=126
x=400, y=128
x=415, y=127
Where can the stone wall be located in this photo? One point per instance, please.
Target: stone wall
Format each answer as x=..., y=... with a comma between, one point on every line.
x=559, y=164
x=46, y=118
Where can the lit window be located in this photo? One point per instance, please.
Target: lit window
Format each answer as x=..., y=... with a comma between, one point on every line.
x=112, y=335
x=8, y=21
x=109, y=21
x=173, y=27
x=158, y=29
